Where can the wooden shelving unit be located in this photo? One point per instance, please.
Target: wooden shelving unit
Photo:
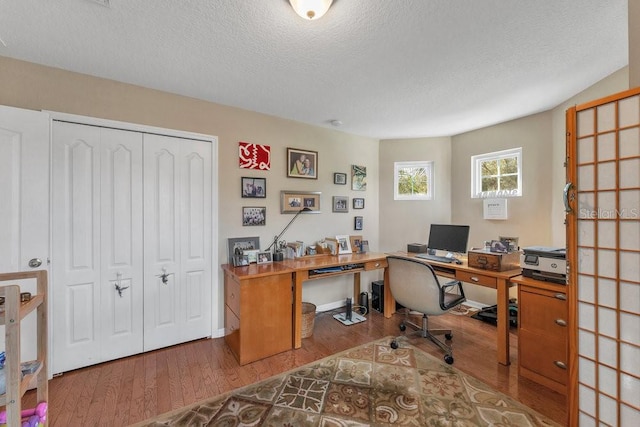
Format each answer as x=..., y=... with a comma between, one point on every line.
x=11, y=317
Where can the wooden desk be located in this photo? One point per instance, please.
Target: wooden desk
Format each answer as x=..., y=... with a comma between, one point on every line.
x=498, y=280
x=304, y=270
x=254, y=329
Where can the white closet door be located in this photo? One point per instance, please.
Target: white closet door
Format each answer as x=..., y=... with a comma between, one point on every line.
x=177, y=240
x=121, y=243
x=97, y=220
x=24, y=206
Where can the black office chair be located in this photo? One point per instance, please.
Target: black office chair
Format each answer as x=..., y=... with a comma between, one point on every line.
x=415, y=286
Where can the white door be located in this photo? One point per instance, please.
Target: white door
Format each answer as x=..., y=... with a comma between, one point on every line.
x=24, y=207
x=177, y=240
x=97, y=239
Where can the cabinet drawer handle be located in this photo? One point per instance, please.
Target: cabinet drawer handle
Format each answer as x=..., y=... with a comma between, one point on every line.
x=377, y=264
x=474, y=279
x=563, y=297
x=232, y=296
x=561, y=322
x=560, y=364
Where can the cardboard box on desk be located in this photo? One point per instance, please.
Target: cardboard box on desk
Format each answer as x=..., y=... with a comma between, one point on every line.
x=493, y=261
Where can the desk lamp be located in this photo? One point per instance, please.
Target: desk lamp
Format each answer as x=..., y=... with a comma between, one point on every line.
x=277, y=254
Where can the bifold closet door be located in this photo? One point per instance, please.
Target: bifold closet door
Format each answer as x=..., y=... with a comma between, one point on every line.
x=177, y=240
x=97, y=261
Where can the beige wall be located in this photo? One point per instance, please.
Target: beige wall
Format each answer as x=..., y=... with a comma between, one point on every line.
x=634, y=43
x=405, y=221
x=31, y=86
x=616, y=82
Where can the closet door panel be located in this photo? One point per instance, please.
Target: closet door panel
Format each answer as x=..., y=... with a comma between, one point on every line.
x=196, y=238
x=161, y=241
x=121, y=242
x=76, y=246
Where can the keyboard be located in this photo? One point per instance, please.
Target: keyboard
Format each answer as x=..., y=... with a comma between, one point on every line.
x=436, y=258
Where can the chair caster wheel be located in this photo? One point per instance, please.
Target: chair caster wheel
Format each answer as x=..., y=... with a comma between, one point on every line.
x=448, y=336
x=449, y=359
x=403, y=327
x=394, y=344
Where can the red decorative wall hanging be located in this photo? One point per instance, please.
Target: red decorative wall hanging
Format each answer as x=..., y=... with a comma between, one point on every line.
x=254, y=156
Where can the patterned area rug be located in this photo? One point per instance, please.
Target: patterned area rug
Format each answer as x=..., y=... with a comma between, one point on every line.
x=369, y=385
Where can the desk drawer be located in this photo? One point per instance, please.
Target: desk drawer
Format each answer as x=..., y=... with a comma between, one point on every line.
x=477, y=279
x=232, y=294
x=374, y=265
x=543, y=355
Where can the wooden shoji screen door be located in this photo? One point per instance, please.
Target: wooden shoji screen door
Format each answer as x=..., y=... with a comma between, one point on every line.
x=602, y=200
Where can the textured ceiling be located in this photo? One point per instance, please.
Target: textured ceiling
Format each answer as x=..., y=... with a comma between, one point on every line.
x=385, y=68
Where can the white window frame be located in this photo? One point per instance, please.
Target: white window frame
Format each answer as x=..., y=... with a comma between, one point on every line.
x=427, y=166
x=476, y=174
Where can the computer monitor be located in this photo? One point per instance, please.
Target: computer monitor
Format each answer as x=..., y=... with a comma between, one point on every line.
x=450, y=238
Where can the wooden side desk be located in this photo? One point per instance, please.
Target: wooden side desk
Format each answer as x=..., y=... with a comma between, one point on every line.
x=254, y=329
x=498, y=280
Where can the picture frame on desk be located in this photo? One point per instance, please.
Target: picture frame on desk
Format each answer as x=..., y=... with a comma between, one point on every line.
x=356, y=243
x=332, y=245
x=237, y=246
x=264, y=258
x=344, y=244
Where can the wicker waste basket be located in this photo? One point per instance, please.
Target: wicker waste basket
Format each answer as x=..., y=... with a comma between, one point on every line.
x=308, y=317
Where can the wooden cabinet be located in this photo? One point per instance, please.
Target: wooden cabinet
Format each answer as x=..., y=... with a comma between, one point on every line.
x=12, y=315
x=258, y=314
x=542, y=332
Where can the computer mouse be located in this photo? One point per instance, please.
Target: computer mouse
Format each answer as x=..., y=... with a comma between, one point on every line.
x=458, y=262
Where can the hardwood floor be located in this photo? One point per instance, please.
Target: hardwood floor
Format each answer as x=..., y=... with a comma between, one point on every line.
x=135, y=388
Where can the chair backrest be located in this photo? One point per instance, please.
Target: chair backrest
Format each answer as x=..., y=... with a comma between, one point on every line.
x=414, y=285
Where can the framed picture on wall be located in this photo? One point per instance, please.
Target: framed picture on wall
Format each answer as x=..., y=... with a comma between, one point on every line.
x=302, y=163
x=340, y=204
x=357, y=223
x=253, y=187
x=294, y=201
x=254, y=215
x=358, y=203
x=340, y=178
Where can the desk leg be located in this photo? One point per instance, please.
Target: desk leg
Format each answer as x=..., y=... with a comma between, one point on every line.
x=298, y=278
x=503, y=322
x=356, y=288
x=389, y=300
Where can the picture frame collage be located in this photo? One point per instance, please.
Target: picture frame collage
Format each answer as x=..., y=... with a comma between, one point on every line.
x=300, y=164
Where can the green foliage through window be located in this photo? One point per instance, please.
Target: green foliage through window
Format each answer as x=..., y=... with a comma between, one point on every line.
x=413, y=181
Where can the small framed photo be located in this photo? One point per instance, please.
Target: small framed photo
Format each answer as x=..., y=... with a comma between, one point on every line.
x=357, y=223
x=237, y=247
x=254, y=215
x=264, y=258
x=340, y=204
x=302, y=163
x=340, y=178
x=356, y=243
x=295, y=201
x=358, y=203
x=254, y=187
x=344, y=244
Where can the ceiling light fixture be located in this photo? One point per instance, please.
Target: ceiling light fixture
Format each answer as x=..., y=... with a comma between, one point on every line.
x=311, y=9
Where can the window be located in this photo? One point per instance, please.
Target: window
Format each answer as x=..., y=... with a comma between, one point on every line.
x=413, y=181
x=497, y=174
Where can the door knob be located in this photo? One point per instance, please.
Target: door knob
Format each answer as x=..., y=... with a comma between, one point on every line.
x=35, y=262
